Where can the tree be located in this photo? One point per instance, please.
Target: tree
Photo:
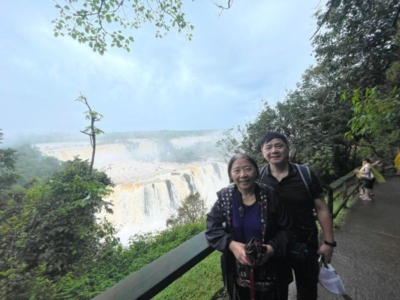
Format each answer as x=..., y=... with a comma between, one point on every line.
x=358, y=50
x=32, y=164
x=191, y=210
x=94, y=21
x=54, y=230
x=357, y=46
x=63, y=224
x=8, y=177
x=360, y=53
x=91, y=130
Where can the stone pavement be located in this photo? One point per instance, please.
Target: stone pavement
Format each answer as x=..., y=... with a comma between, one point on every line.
x=368, y=254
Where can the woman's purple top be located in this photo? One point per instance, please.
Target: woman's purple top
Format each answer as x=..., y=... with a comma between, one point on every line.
x=248, y=224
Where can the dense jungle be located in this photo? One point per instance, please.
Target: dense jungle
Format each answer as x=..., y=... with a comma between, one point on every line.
x=344, y=108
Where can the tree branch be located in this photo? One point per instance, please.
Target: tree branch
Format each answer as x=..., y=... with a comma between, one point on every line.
x=229, y=5
x=326, y=16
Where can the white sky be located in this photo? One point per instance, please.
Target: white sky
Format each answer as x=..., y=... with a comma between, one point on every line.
x=254, y=51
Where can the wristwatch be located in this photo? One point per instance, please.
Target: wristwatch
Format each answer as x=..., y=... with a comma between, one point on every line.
x=333, y=244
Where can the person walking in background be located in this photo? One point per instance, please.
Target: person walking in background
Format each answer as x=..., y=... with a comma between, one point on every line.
x=368, y=174
x=367, y=179
x=301, y=193
x=250, y=226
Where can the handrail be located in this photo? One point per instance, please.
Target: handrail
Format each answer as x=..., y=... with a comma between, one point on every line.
x=157, y=275
x=342, y=181
x=153, y=278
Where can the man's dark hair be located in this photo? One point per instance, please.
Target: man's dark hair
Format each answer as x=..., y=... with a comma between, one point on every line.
x=367, y=160
x=272, y=135
x=245, y=156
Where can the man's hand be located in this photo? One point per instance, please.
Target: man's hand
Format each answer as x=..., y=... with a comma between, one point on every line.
x=325, y=220
x=239, y=252
x=327, y=252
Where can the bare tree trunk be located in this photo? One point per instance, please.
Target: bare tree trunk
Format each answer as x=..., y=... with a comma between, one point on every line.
x=91, y=130
x=93, y=140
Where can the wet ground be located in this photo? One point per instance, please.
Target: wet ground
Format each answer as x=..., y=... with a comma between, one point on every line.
x=368, y=254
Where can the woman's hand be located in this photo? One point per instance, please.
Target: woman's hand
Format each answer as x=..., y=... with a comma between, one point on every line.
x=264, y=258
x=239, y=252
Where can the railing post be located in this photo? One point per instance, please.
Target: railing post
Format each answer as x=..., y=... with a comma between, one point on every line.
x=356, y=180
x=344, y=191
x=330, y=201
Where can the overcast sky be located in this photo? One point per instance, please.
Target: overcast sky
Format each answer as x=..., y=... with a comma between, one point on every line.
x=254, y=51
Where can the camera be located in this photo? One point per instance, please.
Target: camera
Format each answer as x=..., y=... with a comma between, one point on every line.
x=255, y=250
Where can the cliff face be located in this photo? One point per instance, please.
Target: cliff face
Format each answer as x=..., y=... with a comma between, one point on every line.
x=146, y=193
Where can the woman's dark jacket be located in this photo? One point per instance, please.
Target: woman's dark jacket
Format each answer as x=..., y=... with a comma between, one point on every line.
x=276, y=228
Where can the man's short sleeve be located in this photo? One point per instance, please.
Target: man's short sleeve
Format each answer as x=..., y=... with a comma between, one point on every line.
x=317, y=191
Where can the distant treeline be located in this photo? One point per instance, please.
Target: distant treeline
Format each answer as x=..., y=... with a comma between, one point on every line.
x=159, y=135
x=58, y=137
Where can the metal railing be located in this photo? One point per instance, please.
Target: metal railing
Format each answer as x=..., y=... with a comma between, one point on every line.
x=343, y=182
x=156, y=276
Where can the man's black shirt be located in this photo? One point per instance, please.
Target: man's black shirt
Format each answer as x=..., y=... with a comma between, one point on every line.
x=294, y=194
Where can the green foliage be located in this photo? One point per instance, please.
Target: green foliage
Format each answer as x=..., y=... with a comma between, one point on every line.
x=192, y=210
x=71, y=196
x=229, y=145
x=375, y=103
x=357, y=54
x=187, y=287
x=313, y=140
x=53, y=230
x=117, y=262
x=32, y=164
x=374, y=116
x=8, y=177
x=52, y=247
x=93, y=22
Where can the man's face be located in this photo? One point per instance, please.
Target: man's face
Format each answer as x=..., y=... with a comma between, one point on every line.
x=275, y=151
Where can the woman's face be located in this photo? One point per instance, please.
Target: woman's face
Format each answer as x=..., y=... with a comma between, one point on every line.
x=243, y=174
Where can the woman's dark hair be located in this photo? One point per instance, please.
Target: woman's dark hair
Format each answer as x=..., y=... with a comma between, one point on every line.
x=245, y=156
x=367, y=160
x=272, y=135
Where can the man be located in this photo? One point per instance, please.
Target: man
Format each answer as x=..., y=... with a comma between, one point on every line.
x=300, y=198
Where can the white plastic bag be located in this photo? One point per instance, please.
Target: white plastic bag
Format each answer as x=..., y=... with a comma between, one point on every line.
x=329, y=279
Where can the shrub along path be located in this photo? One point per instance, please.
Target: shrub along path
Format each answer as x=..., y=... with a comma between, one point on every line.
x=368, y=254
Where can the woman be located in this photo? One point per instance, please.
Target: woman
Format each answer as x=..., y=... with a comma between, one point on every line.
x=367, y=178
x=246, y=211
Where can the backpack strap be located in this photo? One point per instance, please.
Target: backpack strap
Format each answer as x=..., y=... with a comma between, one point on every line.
x=305, y=176
x=263, y=171
x=304, y=173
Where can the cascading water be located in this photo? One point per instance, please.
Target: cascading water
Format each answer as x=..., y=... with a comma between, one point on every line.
x=142, y=207
x=146, y=193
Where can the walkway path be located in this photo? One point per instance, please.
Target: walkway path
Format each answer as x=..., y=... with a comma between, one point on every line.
x=368, y=254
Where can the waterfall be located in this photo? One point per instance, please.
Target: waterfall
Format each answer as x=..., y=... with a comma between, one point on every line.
x=146, y=193
x=145, y=206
